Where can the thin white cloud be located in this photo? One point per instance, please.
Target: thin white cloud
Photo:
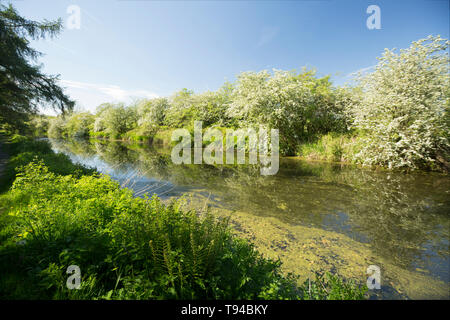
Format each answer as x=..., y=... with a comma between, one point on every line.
x=89, y=95
x=267, y=34
x=56, y=43
x=92, y=17
x=362, y=70
x=114, y=91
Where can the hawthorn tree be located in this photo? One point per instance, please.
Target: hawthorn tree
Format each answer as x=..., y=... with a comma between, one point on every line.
x=403, y=112
x=300, y=105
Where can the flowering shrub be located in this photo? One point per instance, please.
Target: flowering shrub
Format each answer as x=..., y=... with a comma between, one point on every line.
x=403, y=111
x=299, y=105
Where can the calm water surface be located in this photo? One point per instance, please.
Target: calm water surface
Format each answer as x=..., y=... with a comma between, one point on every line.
x=405, y=218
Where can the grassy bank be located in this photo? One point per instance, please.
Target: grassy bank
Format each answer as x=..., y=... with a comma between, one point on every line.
x=23, y=150
x=331, y=147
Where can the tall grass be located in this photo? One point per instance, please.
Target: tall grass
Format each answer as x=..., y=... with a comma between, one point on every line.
x=331, y=147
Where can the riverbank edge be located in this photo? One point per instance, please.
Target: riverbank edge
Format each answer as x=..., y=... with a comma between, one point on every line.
x=164, y=140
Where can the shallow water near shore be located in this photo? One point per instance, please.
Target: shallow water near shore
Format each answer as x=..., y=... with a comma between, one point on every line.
x=314, y=216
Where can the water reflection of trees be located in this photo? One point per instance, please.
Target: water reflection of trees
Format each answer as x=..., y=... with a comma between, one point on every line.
x=79, y=147
x=400, y=214
x=116, y=154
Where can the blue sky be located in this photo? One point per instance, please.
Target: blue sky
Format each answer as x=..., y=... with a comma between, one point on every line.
x=127, y=49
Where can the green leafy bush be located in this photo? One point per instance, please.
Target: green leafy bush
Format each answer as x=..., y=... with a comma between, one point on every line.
x=78, y=125
x=38, y=126
x=56, y=127
x=115, y=119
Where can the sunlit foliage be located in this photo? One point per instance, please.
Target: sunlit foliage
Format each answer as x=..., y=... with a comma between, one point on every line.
x=404, y=107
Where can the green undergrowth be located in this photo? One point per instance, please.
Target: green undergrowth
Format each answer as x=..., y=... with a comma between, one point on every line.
x=22, y=150
x=331, y=147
